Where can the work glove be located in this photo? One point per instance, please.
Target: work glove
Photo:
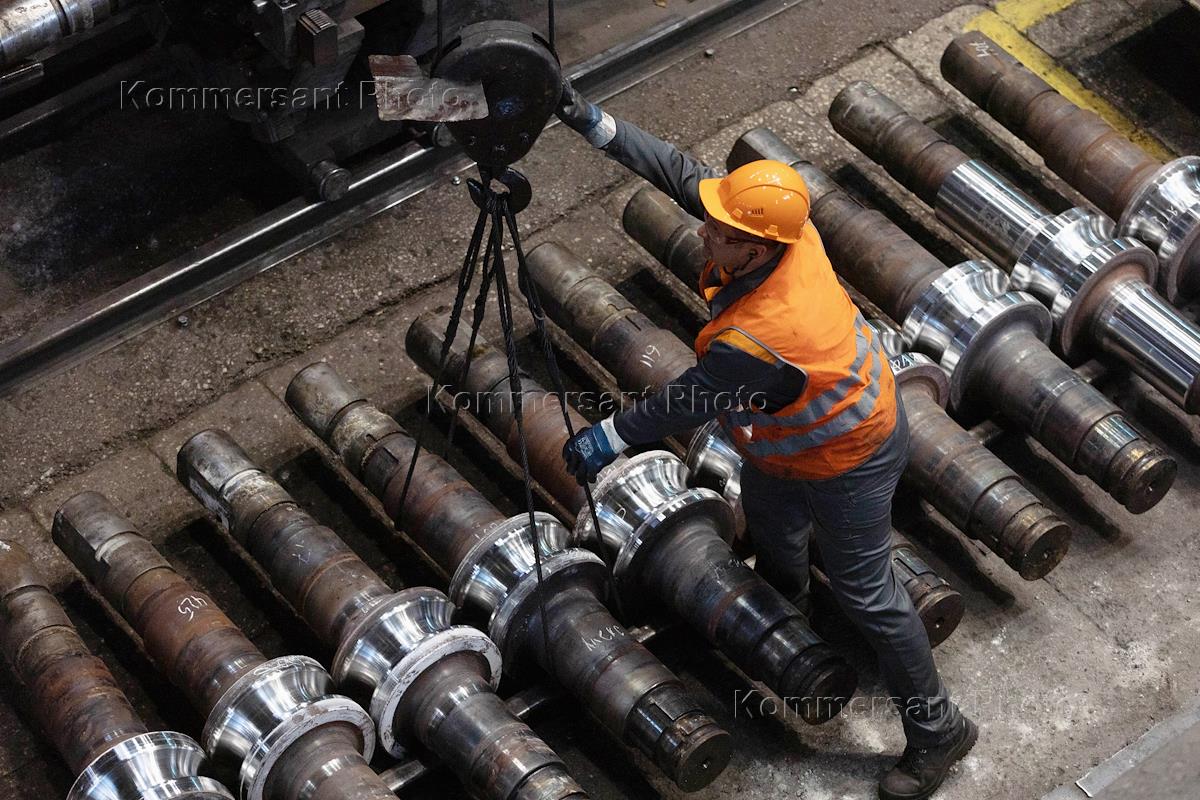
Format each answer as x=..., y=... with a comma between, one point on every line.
x=591, y=450
x=584, y=116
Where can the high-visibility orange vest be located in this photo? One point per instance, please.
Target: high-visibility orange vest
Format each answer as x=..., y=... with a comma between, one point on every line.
x=802, y=316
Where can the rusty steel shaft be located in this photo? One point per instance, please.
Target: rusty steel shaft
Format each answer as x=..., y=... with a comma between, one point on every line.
x=1097, y=285
x=990, y=338
x=1155, y=202
x=260, y=713
x=950, y=468
x=386, y=641
x=29, y=26
x=79, y=705
x=491, y=558
x=687, y=564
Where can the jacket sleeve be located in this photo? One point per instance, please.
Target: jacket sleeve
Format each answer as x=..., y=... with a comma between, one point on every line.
x=724, y=379
x=665, y=166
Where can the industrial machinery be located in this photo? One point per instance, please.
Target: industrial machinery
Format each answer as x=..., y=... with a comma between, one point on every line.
x=543, y=609
x=426, y=683
x=990, y=338
x=1097, y=285
x=274, y=729
x=79, y=705
x=294, y=72
x=950, y=468
x=1155, y=202
x=661, y=539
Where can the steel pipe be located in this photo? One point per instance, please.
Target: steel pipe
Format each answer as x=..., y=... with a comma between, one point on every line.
x=1155, y=202
x=79, y=705
x=990, y=338
x=952, y=470
x=661, y=539
x=1096, y=285
x=495, y=578
x=27, y=26
x=424, y=681
x=274, y=728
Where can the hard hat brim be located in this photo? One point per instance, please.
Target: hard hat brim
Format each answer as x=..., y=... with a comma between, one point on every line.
x=711, y=200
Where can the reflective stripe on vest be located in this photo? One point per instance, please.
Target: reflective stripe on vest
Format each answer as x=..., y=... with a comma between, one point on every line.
x=821, y=405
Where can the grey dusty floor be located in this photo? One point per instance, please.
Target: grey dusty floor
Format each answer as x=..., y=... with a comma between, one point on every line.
x=1060, y=672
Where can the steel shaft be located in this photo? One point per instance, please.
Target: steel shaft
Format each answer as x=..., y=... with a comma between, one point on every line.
x=687, y=563
x=260, y=712
x=988, y=336
x=620, y=682
x=27, y=26
x=386, y=642
x=77, y=701
x=1096, y=284
x=950, y=468
x=79, y=705
x=1155, y=202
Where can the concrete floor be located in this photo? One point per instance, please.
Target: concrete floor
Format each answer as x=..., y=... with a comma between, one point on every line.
x=1060, y=672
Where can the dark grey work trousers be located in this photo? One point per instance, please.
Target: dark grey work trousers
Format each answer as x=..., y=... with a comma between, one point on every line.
x=851, y=518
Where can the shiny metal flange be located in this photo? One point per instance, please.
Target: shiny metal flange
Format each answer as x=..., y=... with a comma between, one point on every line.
x=635, y=503
x=1098, y=286
x=715, y=464
x=909, y=367
x=267, y=710
x=1165, y=213
x=161, y=765
x=956, y=317
x=393, y=644
x=499, y=577
x=889, y=338
x=1069, y=261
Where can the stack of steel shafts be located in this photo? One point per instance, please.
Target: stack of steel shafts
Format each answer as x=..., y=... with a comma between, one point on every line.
x=949, y=467
x=1151, y=201
x=641, y=355
x=425, y=682
x=500, y=580
x=989, y=337
x=274, y=729
x=660, y=538
x=1097, y=285
x=79, y=705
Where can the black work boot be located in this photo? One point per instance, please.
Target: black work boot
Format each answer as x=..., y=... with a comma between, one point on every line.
x=921, y=770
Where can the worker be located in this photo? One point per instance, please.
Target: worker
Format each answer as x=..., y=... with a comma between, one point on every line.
x=800, y=384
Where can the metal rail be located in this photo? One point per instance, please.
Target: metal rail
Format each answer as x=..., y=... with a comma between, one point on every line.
x=105, y=321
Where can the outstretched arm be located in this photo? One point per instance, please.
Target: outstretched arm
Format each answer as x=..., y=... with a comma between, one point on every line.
x=725, y=378
x=666, y=167
x=728, y=376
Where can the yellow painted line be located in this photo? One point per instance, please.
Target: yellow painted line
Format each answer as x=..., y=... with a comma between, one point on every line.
x=1006, y=31
x=1024, y=14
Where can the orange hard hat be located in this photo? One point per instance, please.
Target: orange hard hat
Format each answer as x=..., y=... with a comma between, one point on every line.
x=765, y=198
